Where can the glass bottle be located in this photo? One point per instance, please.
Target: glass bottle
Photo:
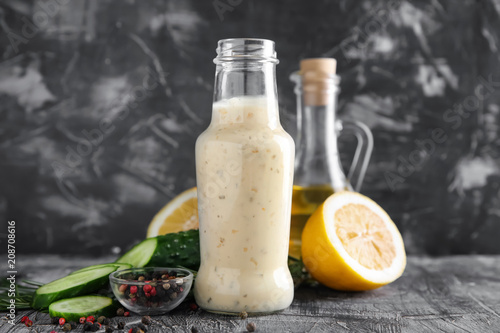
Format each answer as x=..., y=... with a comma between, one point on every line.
x=244, y=170
x=318, y=171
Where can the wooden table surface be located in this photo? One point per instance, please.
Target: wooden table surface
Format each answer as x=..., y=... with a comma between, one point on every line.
x=448, y=294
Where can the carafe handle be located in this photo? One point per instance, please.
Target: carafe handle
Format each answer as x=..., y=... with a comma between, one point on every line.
x=363, y=150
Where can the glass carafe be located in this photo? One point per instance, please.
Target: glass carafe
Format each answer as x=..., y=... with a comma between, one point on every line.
x=244, y=174
x=318, y=171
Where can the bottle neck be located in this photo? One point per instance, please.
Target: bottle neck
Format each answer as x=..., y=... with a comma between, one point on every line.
x=317, y=159
x=245, y=92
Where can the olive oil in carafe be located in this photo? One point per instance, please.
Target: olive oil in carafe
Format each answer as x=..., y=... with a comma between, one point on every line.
x=305, y=200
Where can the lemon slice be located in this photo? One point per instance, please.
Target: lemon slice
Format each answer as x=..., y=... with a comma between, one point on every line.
x=180, y=214
x=350, y=243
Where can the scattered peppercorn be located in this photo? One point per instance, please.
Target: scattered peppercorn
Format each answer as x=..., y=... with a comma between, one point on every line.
x=121, y=325
x=53, y=332
x=109, y=329
x=28, y=323
x=126, y=314
x=251, y=327
x=82, y=320
x=62, y=321
x=100, y=320
x=243, y=315
x=194, y=330
x=142, y=327
x=24, y=318
x=120, y=312
x=146, y=320
x=90, y=319
x=106, y=321
x=87, y=326
x=66, y=327
x=73, y=324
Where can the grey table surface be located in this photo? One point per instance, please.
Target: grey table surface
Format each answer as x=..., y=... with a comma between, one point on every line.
x=446, y=294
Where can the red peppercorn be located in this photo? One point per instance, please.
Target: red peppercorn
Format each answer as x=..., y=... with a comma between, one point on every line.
x=126, y=314
x=82, y=320
x=62, y=321
x=53, y=332
x=98, y=324
x=28, y=323
x=24, y=318
x=181, y=289
x=122, y=288
x=153, y=292
x=193, y=306
x=147, y=295
x=133, y=289
x=90, y=319
x=130, y=330
x=147, y=288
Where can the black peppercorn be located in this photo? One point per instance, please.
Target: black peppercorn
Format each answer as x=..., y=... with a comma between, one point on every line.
x=95, y=327
x=66, y=327
x=106, y=321
x=160, y=292
x=142, y=327
x=121, y=325
x=73, y=324
x=251, y=327
x=120, y=312
x=87, y=326
x=109, y=329
x=100, y=320
x=194, y=330
x=146, y=320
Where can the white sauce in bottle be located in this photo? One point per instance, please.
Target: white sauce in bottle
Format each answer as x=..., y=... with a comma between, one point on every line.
x=244, y=166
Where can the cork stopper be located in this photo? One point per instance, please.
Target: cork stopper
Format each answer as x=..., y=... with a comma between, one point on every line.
x=316, y=80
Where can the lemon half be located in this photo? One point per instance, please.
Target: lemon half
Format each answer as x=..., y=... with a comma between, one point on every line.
x=351, y=243
x=180, y=214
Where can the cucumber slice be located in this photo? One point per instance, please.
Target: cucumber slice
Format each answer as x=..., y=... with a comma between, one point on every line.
x=170, y=250
x=72, y=309
x=119, y=267
x=72, y=285
x=140, y=254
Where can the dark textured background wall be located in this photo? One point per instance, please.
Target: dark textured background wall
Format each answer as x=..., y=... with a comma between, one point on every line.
x=101, y=102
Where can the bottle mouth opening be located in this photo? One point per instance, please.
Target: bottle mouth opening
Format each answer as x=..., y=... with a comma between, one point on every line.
x=245, y=49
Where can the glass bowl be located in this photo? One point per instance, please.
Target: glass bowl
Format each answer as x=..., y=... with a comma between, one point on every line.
x=151, y=290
